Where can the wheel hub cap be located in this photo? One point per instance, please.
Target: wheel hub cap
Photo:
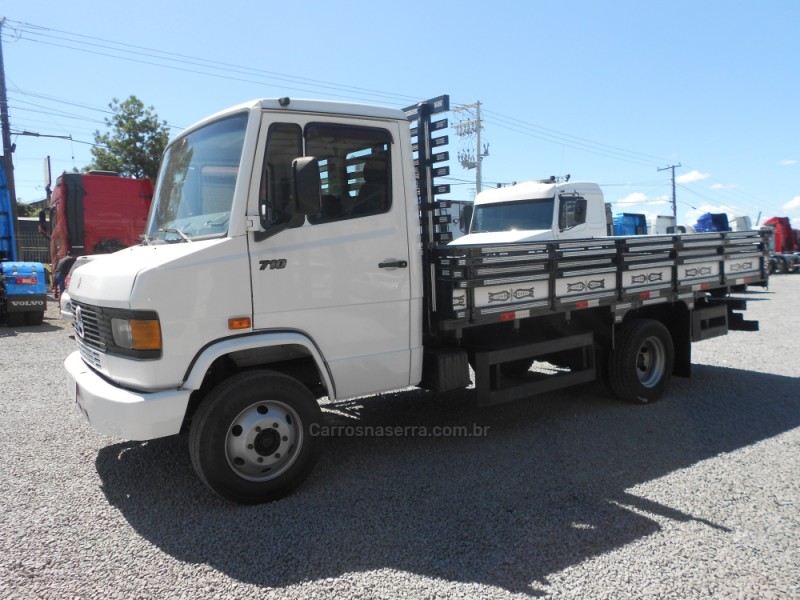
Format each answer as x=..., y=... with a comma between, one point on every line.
x=263, y=440
x=651, y=362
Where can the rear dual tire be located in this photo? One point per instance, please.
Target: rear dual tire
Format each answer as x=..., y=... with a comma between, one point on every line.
x=640, y=366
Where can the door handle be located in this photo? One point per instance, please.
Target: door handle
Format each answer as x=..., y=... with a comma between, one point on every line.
x=393, y=264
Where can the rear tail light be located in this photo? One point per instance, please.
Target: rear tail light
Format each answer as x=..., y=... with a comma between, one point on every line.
x=26, y=280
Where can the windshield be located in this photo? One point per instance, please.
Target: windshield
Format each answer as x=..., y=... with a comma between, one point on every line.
x=519, y=215
x=195, y=184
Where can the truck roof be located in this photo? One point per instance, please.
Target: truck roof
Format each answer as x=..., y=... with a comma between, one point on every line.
x=534, y=189
x=327, y=107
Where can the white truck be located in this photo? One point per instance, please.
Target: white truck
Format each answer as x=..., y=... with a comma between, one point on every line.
x=292, y=252
x=537, y=210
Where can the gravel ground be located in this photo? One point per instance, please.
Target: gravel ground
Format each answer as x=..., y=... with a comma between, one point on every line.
x=568, y=495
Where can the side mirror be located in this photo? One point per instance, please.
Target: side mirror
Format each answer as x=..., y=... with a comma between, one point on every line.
x=43, y=226
x=306, y=184
x=466, y=217
x=580, y=211
x=289, y=200
x=571, y=212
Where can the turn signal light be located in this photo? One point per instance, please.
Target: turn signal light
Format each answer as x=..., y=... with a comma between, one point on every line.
x=239, y=323
x=137, y=334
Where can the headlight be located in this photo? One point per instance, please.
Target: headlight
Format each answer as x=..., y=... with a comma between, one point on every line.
x=136, y=334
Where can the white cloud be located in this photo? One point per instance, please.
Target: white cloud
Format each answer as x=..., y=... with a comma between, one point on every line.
x=691, y=176
x=640, y=198
x=723, y=186
x=787, y=162
x=793, y=204
x=634, y=198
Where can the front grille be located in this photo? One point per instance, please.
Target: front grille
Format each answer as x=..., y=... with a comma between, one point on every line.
x=91, y=356
x=92, y=327
x=95, y=338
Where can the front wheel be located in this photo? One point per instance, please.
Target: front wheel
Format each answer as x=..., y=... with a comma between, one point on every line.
x=640, y=365
x=251, y=440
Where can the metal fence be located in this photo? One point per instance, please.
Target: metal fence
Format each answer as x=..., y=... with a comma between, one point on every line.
x=33, y=246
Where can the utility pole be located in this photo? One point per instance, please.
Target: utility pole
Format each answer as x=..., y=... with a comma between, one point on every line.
x=478, y=178
x=468, y=128
x=7, y=146
x=674, y=203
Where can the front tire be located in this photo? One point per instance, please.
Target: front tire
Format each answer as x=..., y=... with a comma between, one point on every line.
x=640, y=365
x=251, y=439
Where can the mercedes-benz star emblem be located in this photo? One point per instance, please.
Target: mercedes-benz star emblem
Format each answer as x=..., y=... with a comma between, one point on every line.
x=79, y=322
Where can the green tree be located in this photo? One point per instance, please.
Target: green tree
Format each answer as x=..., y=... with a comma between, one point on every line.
x=26, y=210
x=135, y=143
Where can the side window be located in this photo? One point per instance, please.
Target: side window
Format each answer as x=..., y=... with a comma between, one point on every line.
x=572, y=211
x=355, y=170
x=284, y=144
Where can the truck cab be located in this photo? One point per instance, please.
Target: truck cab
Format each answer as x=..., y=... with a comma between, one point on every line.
x=537, y=210
x=231, y=257
x=98, y=212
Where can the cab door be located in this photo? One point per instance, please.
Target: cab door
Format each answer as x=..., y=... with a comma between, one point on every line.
x=340, y=276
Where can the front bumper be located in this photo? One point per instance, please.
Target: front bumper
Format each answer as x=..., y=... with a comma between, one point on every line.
x=122, y=413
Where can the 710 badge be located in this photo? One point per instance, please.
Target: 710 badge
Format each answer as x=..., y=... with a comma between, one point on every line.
x=276, y=263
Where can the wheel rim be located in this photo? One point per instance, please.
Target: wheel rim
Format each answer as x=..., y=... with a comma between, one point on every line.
x=264, y=440
x=650, y=362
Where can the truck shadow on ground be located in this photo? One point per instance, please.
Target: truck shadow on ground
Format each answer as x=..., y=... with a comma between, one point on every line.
x=546, y=488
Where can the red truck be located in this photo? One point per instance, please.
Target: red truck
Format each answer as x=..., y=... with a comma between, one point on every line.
x=784, y=247
x=97, y=213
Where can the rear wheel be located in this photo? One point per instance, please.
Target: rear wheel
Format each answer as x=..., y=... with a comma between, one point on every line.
x=15, y=319
x=34, y=317
x=251, y=440
x=640, y=365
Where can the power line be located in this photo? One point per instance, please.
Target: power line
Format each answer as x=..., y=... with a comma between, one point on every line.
x=212, y=68
x=109, y=48
x=36, y=32
x=571, y=141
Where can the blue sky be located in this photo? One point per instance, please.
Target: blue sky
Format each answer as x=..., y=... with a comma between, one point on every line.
x=607, y=91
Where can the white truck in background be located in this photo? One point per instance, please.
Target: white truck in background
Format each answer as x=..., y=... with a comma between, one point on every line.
x=535, y=211
x=293, y=252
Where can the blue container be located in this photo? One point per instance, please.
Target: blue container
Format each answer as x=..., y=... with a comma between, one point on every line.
x=628, y=224
x=8, y=243
x=712, y=222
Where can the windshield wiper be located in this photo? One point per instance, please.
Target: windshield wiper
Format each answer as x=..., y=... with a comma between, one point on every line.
x=176, y=231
